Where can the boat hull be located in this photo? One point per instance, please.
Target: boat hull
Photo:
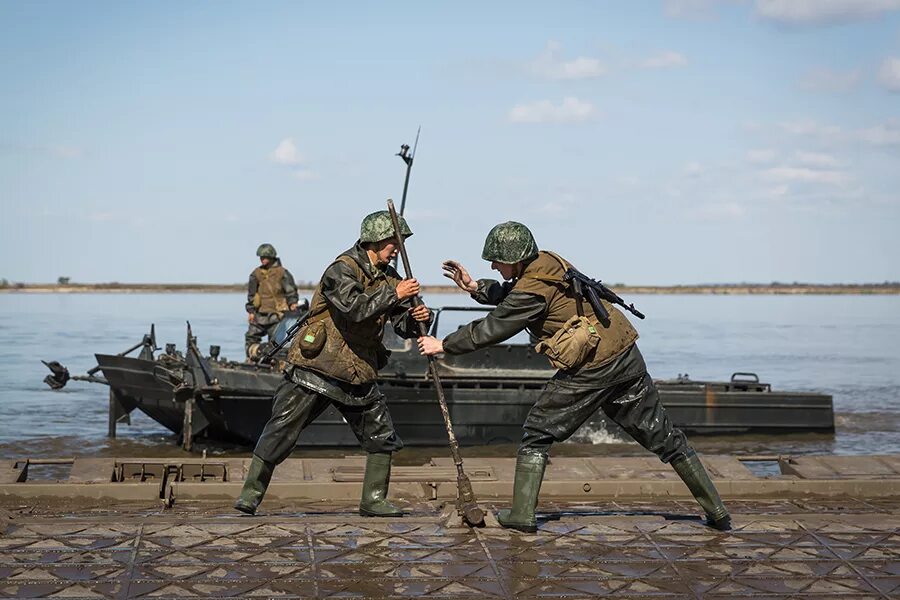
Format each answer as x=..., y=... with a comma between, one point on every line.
x=487, y=406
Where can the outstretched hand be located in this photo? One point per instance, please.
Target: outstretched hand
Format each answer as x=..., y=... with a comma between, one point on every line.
x=429, y=346
x=455, y=271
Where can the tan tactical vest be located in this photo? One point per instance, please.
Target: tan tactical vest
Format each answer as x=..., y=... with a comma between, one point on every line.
x=544, y=277
x=352, y=351
x=270, y=297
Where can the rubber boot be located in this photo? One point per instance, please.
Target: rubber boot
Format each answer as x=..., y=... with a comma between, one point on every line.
x=375, y=487
x=691, y=471
x=258, y=477
x=529, y=475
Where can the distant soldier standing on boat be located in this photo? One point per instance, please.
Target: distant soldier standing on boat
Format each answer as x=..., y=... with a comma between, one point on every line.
x=271, y=292
x=334, y=360
x=599, y=365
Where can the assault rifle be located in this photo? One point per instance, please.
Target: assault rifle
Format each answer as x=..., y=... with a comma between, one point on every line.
x=288, y=336
x=271, y=349
x=594, y=290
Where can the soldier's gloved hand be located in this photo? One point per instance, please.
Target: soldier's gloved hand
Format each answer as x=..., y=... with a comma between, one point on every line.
x=420, y=313
x=407, y=289
x=460, y=276
x=429, y=346
x=251, y=317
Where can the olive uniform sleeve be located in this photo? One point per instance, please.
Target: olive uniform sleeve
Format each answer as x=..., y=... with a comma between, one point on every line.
x=344, y=292
x=491, y=292
x=290, y=288
x=510, y=317
x=252, y=288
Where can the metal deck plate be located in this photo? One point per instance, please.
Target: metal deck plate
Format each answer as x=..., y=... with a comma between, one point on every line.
x=847, y=549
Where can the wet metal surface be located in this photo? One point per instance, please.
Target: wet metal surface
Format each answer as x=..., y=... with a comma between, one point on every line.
x=819, y=548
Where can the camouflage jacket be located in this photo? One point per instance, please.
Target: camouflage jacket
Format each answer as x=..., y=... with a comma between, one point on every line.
x=350, y=306
x=287, y=287
x=541, y=302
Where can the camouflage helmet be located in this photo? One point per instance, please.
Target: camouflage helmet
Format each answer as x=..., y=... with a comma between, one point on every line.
x=266, y=251
x=508, y=243
x=378, y=226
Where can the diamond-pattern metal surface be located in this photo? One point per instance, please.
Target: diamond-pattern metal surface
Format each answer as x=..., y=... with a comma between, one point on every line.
x=637, y=550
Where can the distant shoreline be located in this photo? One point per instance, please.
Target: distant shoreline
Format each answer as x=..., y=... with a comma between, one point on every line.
x=717, y=289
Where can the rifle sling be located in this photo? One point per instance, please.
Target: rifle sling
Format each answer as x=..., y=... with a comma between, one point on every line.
x=579, y=295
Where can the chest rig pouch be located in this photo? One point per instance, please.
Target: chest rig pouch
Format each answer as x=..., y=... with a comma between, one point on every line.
x=571, y=345
x=313, y=336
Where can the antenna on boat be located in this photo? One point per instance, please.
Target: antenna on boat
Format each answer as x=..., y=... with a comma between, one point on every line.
x=408, y=157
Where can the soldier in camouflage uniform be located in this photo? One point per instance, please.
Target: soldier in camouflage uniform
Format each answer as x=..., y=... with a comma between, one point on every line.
x=335, y=358
x=599, y=361
x=271, y=292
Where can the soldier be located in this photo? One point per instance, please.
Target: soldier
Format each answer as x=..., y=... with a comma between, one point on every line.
x=599, y=365
x=334, y=359
x=271, y=292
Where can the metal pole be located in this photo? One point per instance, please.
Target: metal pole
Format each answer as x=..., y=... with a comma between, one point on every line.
x=467, y=505
x=113, y=414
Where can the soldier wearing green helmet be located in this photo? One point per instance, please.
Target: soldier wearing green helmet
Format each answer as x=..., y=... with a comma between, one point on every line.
x=334, y=360
x=600, y=367
x=271, y=292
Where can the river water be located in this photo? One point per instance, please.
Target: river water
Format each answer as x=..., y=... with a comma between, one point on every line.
x=846, y=346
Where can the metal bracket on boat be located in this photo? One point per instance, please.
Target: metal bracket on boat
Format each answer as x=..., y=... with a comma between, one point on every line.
x=745, y=376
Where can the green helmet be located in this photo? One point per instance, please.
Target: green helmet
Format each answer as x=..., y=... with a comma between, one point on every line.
x=508, y=243
x=378, y=226
x=266, y=251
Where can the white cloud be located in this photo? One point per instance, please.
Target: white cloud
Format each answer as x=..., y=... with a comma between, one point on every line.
x=720, y=211
x=883, y=134
x=551, y=66
x=801, y=12
x=629, y=180
x=811, y=128
x=571, y=110
x=805, y=175
x=693, y=169
x=889, y=74
x=777, y=192
x=830, y=81
x=305, y=175
x=818, y=160
x=286, y=153
x=664, y=60
x=761, y=156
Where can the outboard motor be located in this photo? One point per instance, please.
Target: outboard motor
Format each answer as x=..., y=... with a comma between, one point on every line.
x=59, y=375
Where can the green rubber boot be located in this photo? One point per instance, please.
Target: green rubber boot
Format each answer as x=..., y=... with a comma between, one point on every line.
x=375, y=487
x=529, y=475
x=691, y=471
x=258, y=477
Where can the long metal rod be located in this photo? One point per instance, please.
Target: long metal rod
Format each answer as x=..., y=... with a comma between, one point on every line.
x=468, y=507
x=408, y=159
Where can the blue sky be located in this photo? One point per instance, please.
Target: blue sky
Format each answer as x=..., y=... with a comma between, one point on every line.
x=683, y=141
